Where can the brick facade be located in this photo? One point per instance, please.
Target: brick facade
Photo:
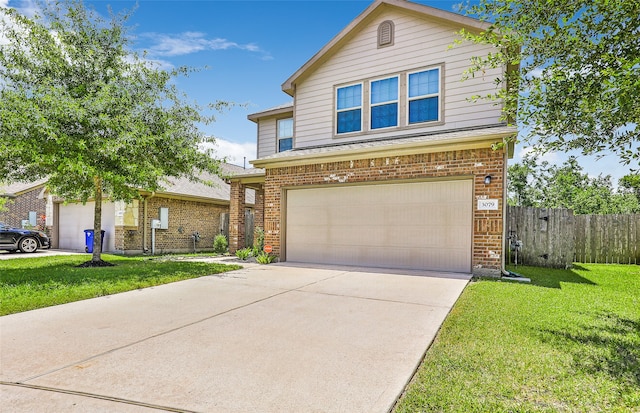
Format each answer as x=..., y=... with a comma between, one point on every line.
x=237, y=217
x=487, y=225
x=185, y=218
x=18, y=208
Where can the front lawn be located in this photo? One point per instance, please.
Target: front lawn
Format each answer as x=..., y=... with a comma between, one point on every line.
x=567, y=342
x=29, y=283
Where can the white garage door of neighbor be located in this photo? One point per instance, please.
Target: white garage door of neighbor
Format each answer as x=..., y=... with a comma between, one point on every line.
x=417, y=225
x=75, y=218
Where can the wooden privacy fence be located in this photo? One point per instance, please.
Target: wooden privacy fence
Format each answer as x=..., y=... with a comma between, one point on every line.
x=556, y=237
x=248, y=225
x=546, y=236
x=611, y=239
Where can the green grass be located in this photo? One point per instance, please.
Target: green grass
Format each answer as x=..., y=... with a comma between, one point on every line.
x=567, y=342
x=30, y=283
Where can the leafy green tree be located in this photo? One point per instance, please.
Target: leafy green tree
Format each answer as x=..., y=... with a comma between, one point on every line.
x=80, y=108
x=631, y=184
x=573, y=77
x=562, y=184
x=522, y=185
x=566, y=186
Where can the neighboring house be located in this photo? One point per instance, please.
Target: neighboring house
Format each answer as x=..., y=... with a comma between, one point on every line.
x=183, y=207
x=26, y=204
x=383, y=159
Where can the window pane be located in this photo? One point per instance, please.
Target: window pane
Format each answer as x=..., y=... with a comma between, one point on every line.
x=384, y=90
x=423, y=83
x=349, y=121
x=285, y=144
x=349, y=97
x=423, y=110
x=285, y=128
x=384, y=116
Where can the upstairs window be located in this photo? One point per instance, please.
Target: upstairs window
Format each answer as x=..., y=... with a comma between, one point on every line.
x=424, y=96
x=349, y=109
x=285, y=134
x=384, y=103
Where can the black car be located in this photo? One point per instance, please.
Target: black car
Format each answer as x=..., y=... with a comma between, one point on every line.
x=25, y=240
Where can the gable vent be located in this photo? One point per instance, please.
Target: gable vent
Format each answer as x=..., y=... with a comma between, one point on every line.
x=385, y=33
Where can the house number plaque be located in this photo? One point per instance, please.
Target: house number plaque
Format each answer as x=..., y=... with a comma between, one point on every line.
x=487, y=204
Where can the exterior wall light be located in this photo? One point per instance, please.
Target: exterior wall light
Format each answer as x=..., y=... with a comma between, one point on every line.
x=487, y=179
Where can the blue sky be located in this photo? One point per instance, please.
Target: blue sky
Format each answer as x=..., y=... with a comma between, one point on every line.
x=250, y=49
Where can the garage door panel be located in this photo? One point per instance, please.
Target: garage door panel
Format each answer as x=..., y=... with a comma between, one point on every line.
x=422, y=225
x=75, y=218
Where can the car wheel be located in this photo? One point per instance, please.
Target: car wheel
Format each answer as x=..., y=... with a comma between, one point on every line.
x=28, y=244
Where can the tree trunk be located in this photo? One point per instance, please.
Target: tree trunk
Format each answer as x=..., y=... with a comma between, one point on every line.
x=97, y=220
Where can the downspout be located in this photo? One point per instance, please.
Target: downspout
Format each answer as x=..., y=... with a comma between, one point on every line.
x=503, y=269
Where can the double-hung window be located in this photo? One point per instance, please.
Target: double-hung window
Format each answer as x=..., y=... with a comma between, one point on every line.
x=384, y=103
x=349, y=109
x=285, y=134
x=424, y=96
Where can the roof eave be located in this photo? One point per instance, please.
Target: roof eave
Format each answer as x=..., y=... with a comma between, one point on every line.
x=254, y=117
x=410, y=148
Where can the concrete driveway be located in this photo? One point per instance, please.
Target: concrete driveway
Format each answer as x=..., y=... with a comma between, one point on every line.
x=277, y=338
x=6, y=255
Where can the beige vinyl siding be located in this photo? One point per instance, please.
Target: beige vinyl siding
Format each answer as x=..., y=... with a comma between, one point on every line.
x=419, y=43
x=266, y=137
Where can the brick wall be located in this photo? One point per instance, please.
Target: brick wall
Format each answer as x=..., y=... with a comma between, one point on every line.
x=487, y=225
x=185, y=218
x=18, y=208
x=237, y=217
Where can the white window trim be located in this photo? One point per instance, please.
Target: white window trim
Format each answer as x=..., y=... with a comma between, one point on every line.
x=438, y=95
x=403, y=102
x=278, y=137
x=361, y=107
x=372, y=105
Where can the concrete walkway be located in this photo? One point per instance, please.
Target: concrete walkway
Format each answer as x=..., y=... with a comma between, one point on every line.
x=277, y=338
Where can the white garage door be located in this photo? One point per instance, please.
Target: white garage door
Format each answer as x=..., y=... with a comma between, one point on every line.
x=75, y=218
x=418, y=225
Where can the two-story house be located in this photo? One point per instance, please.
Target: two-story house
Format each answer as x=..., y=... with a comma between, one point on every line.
x=383, y=159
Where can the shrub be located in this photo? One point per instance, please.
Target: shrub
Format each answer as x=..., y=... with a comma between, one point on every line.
x=258, y=240
x=220, y=244
x=265, y=258
x=244, y=253
x=256, y=251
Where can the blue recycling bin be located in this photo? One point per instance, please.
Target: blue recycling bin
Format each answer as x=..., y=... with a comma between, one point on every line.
x=88, y=240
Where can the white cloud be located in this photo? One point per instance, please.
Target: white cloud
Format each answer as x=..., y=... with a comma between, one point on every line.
x=151, y=63
x=26, y=7
x=593, y=165
x=236, y=152
x=551, y=157
x=535, y=73
x=193, y=42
